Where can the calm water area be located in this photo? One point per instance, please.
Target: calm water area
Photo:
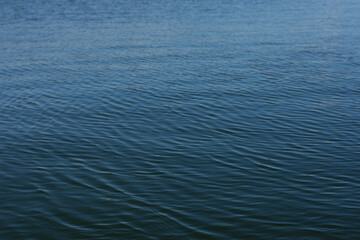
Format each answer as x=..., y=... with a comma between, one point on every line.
x=179, y=119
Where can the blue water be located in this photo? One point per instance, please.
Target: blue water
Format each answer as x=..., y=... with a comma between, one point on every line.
x=179, y=119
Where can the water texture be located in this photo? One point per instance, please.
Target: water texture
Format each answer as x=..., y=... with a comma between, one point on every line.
x=179, y=119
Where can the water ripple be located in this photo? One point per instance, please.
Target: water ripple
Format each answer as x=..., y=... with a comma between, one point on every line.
x=179, y=120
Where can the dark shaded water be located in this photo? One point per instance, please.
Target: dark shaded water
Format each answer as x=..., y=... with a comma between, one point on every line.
x=180, y=119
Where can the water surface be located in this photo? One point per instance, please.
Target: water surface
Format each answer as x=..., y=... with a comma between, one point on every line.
x=179, y=119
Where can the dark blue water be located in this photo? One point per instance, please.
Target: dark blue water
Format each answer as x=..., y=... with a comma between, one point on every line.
x=180, y=119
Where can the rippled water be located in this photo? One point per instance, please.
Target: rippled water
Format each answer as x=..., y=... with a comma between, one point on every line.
x=180, y=119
